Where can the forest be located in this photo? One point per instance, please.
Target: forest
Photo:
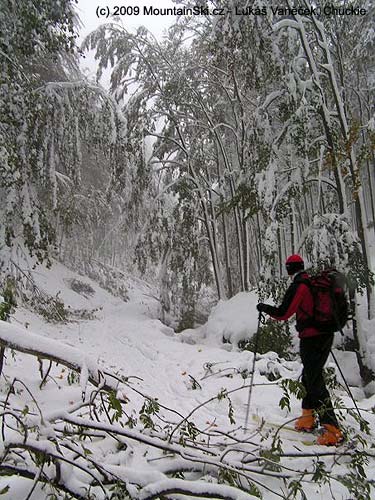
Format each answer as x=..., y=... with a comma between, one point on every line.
x=214, y=153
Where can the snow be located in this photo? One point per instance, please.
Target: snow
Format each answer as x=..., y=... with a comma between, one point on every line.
x=234, y=320
x=183, y=372
x=348, y=361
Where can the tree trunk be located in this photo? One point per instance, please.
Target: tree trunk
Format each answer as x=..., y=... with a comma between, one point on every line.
x=2, y=356
x=239, y=237
x=367, y=375
x=246, y=254
x=227, y=259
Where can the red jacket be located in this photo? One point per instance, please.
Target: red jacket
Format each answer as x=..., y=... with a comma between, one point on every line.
x=297, y=300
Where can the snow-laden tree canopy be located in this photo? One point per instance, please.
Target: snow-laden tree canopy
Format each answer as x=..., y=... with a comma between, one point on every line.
x=50, y=118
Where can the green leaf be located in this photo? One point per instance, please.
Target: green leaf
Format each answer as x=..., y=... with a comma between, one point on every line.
x=271, y=460
x=115, y=405
x=285, y=403
x=222, y=394
x=320, y=473
x=146, y=421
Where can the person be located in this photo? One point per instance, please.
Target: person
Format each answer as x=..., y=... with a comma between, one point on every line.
x=315, y=347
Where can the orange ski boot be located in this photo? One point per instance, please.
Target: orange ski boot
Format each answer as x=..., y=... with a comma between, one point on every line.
x=332, y=436
x=306, y=422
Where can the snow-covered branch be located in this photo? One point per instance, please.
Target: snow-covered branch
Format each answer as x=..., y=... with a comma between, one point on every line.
x=197, y=489
x=23, y=340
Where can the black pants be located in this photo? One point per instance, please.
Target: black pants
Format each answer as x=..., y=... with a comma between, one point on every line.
x=314, y=352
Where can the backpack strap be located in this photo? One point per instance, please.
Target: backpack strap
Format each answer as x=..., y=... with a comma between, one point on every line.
x=309, y=320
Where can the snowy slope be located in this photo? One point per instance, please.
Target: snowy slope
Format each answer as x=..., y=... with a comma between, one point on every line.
x=128, y=339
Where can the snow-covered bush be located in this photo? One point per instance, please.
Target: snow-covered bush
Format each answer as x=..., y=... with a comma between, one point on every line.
x=81, y=287
x=111, y=279
x=233, y=321
x=236, y=321
x=273, y=336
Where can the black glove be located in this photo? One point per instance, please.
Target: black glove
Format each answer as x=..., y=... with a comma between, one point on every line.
x=261, y=307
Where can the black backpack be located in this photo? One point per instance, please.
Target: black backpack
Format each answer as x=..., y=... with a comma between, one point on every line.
x=331, y=306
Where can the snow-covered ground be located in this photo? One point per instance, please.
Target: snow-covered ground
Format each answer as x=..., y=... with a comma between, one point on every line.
x=181, y=370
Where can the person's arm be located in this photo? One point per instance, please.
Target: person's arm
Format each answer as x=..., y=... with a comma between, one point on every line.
x=290, y=303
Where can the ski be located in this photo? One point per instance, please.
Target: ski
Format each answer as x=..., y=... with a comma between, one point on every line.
x=286, y=432
x=289, y=433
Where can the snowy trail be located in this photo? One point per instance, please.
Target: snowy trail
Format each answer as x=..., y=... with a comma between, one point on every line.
x=136, y=346
x=126, y=339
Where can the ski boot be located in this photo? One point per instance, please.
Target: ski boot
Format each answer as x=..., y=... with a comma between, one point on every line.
x=306, y=422
x=331, y=436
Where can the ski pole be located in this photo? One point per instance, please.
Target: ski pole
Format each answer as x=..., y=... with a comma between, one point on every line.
x=347, y=386
x=260, y=320
x=341, y=372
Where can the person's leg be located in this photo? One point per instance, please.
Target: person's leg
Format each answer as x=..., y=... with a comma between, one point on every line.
x=314, y=353
x=312, y=372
